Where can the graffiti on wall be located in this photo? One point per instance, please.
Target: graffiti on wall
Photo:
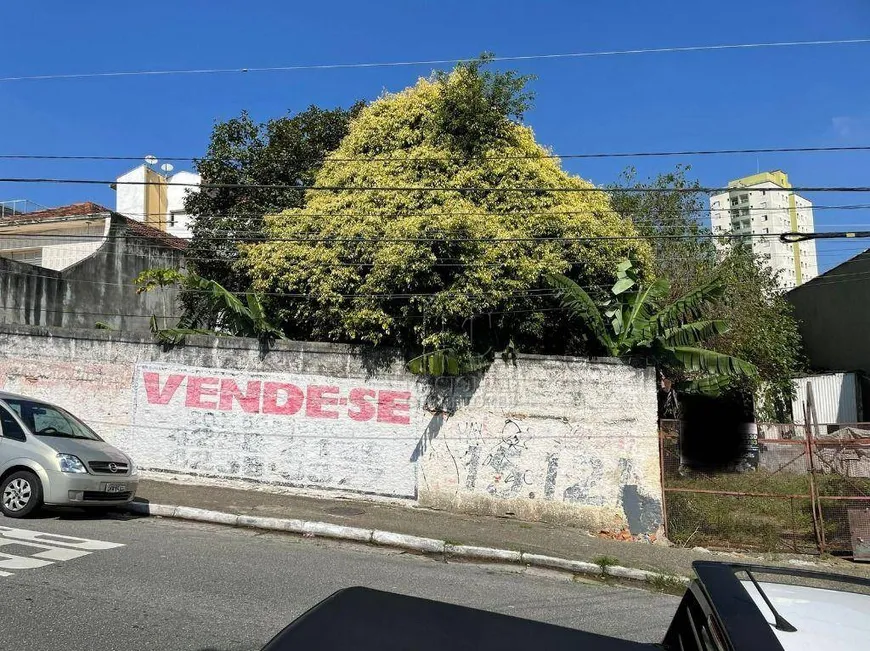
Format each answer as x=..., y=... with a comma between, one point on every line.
x=539, y=459
x=298, y=430
x=500, y=462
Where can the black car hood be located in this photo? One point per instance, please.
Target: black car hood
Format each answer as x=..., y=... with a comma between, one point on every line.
x=362, y=619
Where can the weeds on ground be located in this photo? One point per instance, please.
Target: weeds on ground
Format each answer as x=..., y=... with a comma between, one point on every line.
x=604, y=562
x=667, y=583
x=775, y=522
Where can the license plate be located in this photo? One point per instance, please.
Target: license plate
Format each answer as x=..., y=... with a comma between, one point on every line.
x=116, y=488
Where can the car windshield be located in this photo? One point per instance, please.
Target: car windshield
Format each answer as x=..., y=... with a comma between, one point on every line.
x=47, y=420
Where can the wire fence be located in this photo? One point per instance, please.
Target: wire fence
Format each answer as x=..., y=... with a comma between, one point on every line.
x=795, y=488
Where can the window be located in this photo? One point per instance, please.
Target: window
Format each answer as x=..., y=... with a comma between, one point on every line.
x=764, y=193
x=27, y=256
x=734, y=201
x=11, y=428
x=764, y=230
x=764, y=218
x=44, y=420
x=744, y=198
x=175, y=217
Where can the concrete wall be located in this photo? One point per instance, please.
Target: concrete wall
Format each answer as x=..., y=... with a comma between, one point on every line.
x=557, y=439
x=99, y=288
x=833, y=313
x=30, y=295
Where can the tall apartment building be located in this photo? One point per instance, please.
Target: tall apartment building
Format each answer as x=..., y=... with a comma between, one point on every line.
x=761, y=207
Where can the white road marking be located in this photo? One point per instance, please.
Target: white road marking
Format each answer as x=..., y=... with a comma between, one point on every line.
x=12, y=562
x=54, y=539
x=52, y=547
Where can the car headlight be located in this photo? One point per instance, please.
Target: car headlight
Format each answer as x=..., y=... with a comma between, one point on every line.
x=134, y=469
x=71, y=463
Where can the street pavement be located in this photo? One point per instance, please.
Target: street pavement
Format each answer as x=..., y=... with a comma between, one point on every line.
x=149, y=583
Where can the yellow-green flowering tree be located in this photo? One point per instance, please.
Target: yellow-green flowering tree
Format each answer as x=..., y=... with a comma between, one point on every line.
x=440, y=268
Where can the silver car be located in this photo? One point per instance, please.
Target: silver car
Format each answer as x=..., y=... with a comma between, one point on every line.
x=48, y=456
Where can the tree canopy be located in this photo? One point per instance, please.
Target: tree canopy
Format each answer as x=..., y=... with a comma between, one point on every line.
x=762, y=329
x=439, y=267
x=284, y=151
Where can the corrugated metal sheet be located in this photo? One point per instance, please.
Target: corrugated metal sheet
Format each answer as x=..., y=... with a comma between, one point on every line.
x=836, y=396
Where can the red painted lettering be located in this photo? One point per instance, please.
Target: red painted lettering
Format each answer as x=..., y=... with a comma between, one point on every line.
x=393, y=407
x=197, y=389
x=156, y=395
x=365, y=410
x=291, y=398
x=317, y=400
x=250, y=400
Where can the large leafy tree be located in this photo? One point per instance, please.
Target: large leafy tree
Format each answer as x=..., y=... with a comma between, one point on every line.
x=454, y=265
x=285, y=151
x=637, y=322
x=669, y=209
x=762, y=328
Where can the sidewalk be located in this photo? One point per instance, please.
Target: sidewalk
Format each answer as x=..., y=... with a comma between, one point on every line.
x=456, y=528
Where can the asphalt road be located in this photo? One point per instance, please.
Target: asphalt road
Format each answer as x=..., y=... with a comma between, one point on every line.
x=177, y=585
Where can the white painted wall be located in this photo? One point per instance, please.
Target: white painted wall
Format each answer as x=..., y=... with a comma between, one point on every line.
x=130, y=199
x=175, y=195
x=58, y=250
x=558, y=439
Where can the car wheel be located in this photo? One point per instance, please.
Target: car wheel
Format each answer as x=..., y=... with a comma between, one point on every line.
x=20, y=494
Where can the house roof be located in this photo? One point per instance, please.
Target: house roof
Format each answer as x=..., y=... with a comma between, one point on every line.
x=845, y=268
x=89, y=208
x=143, y=230
x=73, y=210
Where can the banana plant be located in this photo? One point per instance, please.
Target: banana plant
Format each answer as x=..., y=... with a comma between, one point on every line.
x=219, y=313
x=447, y=362
x=632, y=323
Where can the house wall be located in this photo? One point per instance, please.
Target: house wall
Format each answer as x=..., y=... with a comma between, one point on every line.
x=130, y=199
x=175, y=195
x=101, y=287
x=558, y=439
x=153, y=202
x=97, y=288
x=62, y=245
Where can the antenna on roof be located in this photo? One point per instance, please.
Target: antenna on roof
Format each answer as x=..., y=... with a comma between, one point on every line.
x=150, y=160
x=167, y=167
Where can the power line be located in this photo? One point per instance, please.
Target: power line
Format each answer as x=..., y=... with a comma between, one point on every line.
x=529, y=293
x=84, y=313
x=428, y=62
x=260, y=215
x=346, y=188
x=411, y=159
x=388, y=239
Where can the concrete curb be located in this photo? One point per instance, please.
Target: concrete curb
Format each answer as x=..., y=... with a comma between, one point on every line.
x=401, y=541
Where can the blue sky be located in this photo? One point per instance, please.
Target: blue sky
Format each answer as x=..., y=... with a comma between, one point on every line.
x=809, y=96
